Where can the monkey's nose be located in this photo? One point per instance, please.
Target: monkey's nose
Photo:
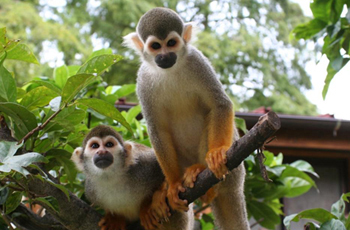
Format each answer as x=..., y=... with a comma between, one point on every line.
x=167, y=60
x=103, y=159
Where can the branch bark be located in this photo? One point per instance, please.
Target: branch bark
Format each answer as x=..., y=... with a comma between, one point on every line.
x=75, y=214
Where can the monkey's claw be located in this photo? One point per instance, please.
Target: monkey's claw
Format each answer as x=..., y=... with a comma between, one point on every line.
x=173, y=197
x=216, y=159
x=191, y=174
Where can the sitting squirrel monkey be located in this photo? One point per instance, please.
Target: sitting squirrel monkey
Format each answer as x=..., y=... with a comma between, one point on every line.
x=189, y=116
x=124, y=178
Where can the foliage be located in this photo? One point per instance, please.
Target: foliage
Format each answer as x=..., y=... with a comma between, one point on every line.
x=335, y=219
x=246, y=41
x=51, y=116
x=333, y=29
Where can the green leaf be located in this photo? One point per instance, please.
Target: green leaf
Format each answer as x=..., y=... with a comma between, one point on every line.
x=61, y=157
x=321, y=9
x=264, y=214
x=100, y=52
x=74, y=85
x=97, y=65
x=16, y=163
x=73, y=69
x=105, y=109
x=317, y=214
x=24, y=120
x=304, y=166
x=69, y=117
x=22, y=52
x=294, y=172
x=61, y=74
x=338, y=208
x=240, y=123
x=2, y=36
x=49, y=201
x=310, y=29
x=48, y=85
x=38, y=97
x=333, y=225
x=8, y=149
x=13, y=202
x=4, y=193
x=8, y=89
x=125, y=90
x=132, y=113
x=25, y=160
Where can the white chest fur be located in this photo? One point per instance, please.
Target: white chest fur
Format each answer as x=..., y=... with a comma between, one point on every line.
x=118, y=196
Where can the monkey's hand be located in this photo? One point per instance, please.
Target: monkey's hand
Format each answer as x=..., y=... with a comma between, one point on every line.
x=216, y=159
x=190, y=177
x=157, y=212
x=112, y=222
x=173, y=197
x=191, y=174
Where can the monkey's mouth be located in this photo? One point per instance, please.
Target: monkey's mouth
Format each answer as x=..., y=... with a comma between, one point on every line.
x=103, y=160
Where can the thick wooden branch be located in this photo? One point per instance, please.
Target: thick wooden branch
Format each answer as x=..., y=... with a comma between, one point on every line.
x=267, y=125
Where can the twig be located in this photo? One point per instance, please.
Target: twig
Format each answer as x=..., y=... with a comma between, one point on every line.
x=40, y=127
x=6, y=219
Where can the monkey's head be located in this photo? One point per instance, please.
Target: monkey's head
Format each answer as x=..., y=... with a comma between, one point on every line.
x=160, y=37
x=103, y=148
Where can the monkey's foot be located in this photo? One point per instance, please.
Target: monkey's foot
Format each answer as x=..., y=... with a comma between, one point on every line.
x=112, y=222
x=157, y=212
x=209, y=196
x=191, y=174
x=216, y=159
x=173, y=197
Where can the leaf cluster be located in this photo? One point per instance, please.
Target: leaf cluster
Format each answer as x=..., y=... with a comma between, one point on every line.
x=329, y=24
x=323, y=219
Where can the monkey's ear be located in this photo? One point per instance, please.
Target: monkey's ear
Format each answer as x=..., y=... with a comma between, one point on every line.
x=133, y=41
x=187, y=35
x=77, y=158
x=128, y=147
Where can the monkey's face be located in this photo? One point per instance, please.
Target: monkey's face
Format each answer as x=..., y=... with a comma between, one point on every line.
x=163, y=53
x=101, y=153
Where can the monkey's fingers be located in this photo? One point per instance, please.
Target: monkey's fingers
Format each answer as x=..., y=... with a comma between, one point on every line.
x=191, y=174
x=173, y=197
x=149, y=222
x=216, y=160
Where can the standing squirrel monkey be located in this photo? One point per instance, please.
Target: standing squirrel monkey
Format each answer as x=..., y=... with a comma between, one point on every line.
x=190, y=118
x=124, y=178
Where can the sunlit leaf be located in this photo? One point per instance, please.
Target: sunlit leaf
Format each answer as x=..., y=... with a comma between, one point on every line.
x=38, y=97
x=61, y=74
x=8, y=149
x=22, y=52
x=99, y=64
x=48, y=85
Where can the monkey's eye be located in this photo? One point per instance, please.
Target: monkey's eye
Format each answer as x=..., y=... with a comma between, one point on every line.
x=155, y=45
x=95, y=146
x=171, y=43
x=109, y=144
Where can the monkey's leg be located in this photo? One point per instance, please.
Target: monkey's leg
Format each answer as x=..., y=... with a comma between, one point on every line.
x=180, y=220
x=229, y=207
x=112, y=222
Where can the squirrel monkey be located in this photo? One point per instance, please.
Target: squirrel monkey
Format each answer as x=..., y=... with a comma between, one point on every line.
x=124, y=178
x=189, y=116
